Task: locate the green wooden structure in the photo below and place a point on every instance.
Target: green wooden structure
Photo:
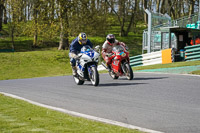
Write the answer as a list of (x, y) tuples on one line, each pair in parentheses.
[(161, 33), (192, 52)]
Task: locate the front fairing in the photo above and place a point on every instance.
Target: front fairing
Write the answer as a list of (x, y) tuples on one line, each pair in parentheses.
[(120, 52), (120, 55), (89, 57), (89, 54)]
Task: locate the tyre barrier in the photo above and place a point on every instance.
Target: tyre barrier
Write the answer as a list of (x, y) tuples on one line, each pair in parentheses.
[(192, 52), (160, 57), (7, 50)]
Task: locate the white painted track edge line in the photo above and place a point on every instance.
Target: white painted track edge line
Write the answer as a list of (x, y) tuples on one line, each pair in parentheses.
[(84, 115)]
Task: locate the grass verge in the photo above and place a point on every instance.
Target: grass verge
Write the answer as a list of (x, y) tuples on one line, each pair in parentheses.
[(196, 72), (171, 65), (20, 116), (18, 65)]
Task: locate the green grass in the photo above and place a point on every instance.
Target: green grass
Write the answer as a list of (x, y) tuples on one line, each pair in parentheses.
[(19, 116), (175, 64), (19, 65), (134, 42), (23, 44), (196, 72)]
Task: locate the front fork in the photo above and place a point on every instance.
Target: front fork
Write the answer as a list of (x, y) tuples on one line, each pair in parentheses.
[(123, 66), (90, 73)]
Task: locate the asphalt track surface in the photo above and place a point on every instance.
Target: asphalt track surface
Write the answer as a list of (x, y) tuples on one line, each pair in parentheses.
[(163, 102)]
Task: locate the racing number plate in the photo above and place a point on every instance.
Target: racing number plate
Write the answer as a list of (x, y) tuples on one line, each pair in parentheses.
[(116, 62), (124, 54)]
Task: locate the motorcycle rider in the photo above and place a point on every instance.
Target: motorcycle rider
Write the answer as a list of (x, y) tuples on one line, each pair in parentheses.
[(107, 48), (75, 48)]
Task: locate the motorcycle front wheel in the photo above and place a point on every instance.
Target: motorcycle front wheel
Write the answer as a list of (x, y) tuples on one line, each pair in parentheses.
[(112, 75), (94, 76), (78, 81), (128, 71)]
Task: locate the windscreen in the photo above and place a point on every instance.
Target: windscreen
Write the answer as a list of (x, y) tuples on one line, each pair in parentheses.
[(118, 48), (86, 48)]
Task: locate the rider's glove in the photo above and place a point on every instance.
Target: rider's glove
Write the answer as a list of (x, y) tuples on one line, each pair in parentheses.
[(77, 56), (126, 47)]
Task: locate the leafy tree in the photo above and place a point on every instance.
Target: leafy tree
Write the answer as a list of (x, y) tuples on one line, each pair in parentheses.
[(191, 8), (1, 12), (36, 5), (64, 7), (13, 10), (47, 20), (126, 13), (5, 13)]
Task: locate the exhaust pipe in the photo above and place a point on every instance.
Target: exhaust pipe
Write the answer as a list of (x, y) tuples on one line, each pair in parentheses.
[(104, 65)]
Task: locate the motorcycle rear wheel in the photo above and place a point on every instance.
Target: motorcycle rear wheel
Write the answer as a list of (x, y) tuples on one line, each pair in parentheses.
[(128, 71), (78, 81)]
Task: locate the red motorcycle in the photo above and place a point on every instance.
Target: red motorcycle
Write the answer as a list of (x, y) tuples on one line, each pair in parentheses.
[(120, 63)]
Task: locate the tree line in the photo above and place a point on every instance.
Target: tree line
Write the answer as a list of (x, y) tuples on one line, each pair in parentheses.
[(50, 19)]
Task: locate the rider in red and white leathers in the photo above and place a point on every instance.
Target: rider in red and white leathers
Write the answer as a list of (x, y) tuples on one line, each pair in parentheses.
[(107, 48)]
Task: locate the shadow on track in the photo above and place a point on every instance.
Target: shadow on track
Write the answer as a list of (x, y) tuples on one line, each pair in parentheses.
[(118, 84), (150, 78)]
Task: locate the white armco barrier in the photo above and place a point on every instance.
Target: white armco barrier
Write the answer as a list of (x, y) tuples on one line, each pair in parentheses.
[(152, 58), (160, 57), (152, 61), (152, 55)]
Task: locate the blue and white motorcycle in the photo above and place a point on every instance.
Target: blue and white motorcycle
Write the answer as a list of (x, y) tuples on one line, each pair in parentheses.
[(86, 63)]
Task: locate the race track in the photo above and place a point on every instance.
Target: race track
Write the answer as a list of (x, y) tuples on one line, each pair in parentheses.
[(163, 102)]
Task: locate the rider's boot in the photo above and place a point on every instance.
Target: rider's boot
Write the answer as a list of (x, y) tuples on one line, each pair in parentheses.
[(109, 68), (74, 70)]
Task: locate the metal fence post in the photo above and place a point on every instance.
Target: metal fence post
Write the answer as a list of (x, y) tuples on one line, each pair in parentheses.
[(149, 31)]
